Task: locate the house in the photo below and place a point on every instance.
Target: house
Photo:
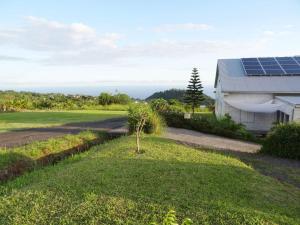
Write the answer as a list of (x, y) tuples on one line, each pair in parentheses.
[(258, 92)]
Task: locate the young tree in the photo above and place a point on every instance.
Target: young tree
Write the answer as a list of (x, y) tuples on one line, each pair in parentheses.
[(137, 117), (194, 93)]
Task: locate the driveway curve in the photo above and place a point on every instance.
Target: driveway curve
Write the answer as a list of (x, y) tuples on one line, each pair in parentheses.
[(209, 141)]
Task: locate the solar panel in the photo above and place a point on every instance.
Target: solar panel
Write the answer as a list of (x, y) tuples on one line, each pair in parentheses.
[(274, 72), (293, 71), (290, 66), (252, 67), (267, 59), (284, 58), (272, 66), (256, 72)]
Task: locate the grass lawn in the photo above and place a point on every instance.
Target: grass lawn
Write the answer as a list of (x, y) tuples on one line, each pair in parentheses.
[(110, 184), (17, 120)]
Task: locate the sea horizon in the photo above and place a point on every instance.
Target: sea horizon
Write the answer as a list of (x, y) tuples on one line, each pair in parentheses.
[(134, 91)]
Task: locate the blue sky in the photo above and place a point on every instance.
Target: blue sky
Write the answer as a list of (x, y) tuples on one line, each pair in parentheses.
[(94, 43)]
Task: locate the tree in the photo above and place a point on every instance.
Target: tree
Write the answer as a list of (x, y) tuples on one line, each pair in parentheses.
[(160, 105), (105, 99), (138, 115), (194, 93), (122, 99)]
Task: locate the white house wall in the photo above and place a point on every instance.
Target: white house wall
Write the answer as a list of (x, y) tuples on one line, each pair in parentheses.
[(219, 101), (252, 121), (297, 114)]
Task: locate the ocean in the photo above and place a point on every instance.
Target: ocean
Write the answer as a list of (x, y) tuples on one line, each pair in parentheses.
[(135, 91)]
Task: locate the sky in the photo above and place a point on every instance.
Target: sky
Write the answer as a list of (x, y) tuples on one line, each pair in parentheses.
[(94, 43)]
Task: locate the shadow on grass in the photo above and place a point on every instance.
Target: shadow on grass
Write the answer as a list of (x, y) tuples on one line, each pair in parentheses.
[(284, 170)]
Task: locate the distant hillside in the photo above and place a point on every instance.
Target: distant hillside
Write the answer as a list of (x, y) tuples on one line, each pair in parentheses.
[(176, 94)]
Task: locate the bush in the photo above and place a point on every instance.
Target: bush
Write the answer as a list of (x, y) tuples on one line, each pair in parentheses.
[(108, 99), (284, 141), (160, 105), (154, 122), (208, 123)]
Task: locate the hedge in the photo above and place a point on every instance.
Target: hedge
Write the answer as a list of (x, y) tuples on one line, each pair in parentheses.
[(284, 141)]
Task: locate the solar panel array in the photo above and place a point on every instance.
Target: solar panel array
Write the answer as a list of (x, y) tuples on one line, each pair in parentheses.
[(272, 66)]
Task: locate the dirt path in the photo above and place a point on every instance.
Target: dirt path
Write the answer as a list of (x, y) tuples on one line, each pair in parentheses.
[(209, 141), (21, 137)]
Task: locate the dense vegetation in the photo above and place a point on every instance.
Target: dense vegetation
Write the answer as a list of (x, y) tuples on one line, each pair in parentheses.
[(284, 141), (17, 101), (18, 120), (178, 94), (208, 123), (112, 185)]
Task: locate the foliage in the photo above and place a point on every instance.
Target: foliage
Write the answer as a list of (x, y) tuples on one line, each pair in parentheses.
[(108, 99), (194, 93), (208, 123), (17, 101), (284, 141), (171, 219), (177, 94), (111, 185), (138, 115), (155, 124), (17, 120), (160, 105)]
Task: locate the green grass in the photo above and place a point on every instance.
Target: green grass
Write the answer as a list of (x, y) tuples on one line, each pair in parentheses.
[(31, 152), (112, 185), (18, 120)]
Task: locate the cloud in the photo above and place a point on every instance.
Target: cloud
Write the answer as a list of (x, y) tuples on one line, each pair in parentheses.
[(40, 34), (11, 58), (269, 33), (162, 49), (183, 27)]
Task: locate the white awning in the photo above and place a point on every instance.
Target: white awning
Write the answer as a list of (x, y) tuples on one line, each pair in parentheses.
[(266, 107)]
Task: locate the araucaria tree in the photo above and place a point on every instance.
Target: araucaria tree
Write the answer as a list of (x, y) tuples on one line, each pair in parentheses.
[(194, 93)]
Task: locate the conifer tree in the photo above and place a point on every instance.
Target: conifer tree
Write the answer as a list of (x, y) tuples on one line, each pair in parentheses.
[(194, 93)]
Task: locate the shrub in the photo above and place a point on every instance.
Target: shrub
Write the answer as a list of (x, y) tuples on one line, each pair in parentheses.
[(155, 124), (160, 105), (208, 123), (108, 99), (283, 140)]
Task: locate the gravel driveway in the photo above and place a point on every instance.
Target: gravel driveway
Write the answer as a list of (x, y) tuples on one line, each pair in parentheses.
[(209, 141)]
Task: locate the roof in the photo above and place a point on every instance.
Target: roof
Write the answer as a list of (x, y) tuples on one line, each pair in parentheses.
[(294, 100), (234, 79)]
